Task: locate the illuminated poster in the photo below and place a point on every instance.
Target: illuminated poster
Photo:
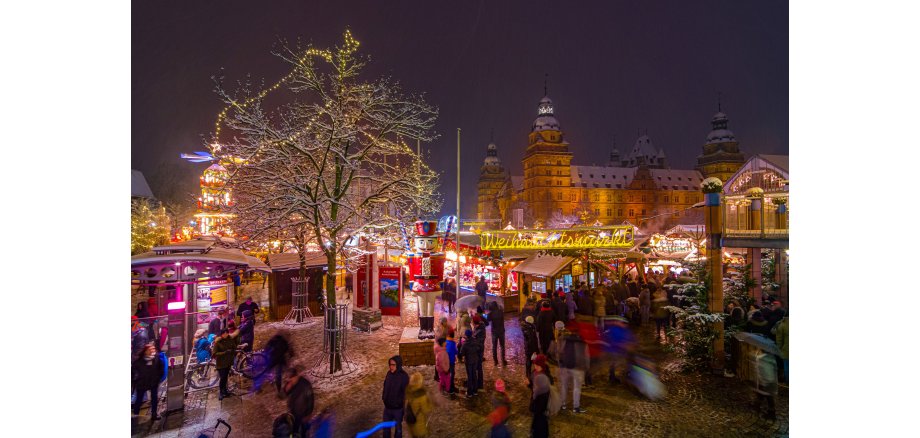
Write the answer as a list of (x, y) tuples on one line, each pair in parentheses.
[(390, 290), (512, 281)]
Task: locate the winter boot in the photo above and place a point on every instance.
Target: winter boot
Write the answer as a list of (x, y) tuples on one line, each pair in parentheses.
[(421, 327)]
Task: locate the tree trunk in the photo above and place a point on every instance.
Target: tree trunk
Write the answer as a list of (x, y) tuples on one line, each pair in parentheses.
[(335, 357)]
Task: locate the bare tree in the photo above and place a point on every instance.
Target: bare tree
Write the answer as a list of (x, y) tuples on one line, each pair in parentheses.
[(323, 160)]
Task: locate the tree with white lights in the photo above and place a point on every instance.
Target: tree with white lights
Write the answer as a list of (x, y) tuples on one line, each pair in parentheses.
[(323, 159)]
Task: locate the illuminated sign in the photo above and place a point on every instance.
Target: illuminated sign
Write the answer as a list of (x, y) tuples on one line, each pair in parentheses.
[(570, 238), (671, 245)]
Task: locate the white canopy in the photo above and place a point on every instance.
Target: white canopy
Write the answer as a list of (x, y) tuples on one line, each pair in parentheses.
[(545, 265)]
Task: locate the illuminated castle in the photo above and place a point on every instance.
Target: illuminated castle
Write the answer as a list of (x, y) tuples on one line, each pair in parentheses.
[(214, 200)]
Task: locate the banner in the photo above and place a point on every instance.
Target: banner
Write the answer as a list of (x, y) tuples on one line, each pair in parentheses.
[(390, 290)]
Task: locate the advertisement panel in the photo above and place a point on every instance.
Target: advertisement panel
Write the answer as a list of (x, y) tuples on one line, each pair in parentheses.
[(390, 290)]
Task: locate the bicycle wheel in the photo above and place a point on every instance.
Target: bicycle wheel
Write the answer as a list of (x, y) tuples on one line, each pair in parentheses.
[(203, 376), (253, 364)]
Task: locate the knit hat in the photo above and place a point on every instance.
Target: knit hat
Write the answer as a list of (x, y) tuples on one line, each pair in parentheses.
[(528, 319), (500, 385), (477, 319), (560, 325), (545, 305), (468, 333), (540, 360)]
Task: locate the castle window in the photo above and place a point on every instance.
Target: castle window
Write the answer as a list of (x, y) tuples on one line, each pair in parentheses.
[(596, 197), (558, 196), (558, 163), (619, 186), (608, 185), (669, 178), (665, 199), (678, 178), (595, 185), (643, 212), (643, 198), (585, 185), (558, 183), (631, 213), (608, 212), (597, 212), (620, 212), (685, 188), (549, 173), (604, 176), (592, 175)]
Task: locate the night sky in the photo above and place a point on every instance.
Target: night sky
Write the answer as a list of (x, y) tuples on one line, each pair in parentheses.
[(614, 67)]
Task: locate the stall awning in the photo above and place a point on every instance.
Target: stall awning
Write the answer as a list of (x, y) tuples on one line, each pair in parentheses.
[(288, 261), (545, 265)]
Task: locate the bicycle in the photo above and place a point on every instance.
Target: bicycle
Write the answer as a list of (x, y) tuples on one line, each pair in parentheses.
[(249, 363), (202, 375)]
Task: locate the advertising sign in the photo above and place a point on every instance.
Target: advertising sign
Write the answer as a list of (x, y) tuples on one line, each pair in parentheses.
[(390, 290), (570, 238)]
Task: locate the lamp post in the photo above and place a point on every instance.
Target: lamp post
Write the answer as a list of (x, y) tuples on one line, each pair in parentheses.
[(458, 213)]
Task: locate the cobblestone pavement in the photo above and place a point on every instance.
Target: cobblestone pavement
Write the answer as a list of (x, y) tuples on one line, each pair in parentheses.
[(696, 405)]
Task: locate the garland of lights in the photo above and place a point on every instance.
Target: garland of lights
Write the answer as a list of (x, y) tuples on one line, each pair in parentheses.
[(351, 46)]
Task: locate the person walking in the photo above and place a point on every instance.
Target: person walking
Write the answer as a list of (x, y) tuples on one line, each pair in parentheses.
[(621, 343), (479, 336), (450, 346), (645, 302), (300, 400), (394, 395), (224, 351), (573, 362), (471, 352), (146, 373), (531, 343), (278, 350), (545, 324), (449, 296), (559, 308), (418, 406), (539, 400), (496, 317), (442, 365), (765, 384), (501, 409)]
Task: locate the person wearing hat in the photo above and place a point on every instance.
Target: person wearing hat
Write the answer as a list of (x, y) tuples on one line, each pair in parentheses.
[(219, 323), (758, 325), (250, 305), (559, 310), (539, 400), (545, 324), (501, 409), (531, 344)]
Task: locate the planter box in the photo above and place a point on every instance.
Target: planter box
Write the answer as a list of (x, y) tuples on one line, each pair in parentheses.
[(415, 352), (366, 319)]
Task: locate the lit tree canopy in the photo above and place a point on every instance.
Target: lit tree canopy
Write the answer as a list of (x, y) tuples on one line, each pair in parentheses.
[(319, 156), (149, 226)]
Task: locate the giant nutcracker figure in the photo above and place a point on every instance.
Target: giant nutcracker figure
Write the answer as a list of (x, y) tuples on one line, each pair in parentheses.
[(427, 269)]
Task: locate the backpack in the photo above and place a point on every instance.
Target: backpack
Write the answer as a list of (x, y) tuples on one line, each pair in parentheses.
[(555, 401), (410, 416)]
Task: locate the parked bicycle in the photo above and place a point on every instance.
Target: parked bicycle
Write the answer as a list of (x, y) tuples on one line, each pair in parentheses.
[(249, 363)]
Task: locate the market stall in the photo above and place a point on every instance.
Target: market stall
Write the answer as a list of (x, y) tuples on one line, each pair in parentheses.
[(540, 274)]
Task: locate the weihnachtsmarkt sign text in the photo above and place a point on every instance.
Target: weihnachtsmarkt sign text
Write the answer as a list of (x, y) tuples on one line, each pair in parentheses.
[(570, 238)]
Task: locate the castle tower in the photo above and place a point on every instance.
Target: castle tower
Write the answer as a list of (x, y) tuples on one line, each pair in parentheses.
[(547, 164), (492, 178), (721, 156)]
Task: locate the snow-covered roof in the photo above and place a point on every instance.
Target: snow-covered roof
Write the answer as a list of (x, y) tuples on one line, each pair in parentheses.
[(288, 261), (766, 172), (139, 187), (545, 265), (677, 179), (545, 122), (780, 161), (603, 177), (720, 132)]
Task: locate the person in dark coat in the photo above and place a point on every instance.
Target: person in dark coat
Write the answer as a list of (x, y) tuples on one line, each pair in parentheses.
[(539, 400), (471, 351), (224, 351), (479, 336), (531, 344), (394, 395), (496, 318), (777, 313), (300, 400), (559, 307), (482, 288), (247, 305), (449, 296), (545, 325), (758, 324), (247, 330), (278, 352), (633, 289), (142, 311), (146, 373), (219, 323), (585, 304)]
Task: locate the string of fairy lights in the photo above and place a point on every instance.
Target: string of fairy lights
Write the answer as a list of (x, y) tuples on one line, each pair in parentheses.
[(351, 46)]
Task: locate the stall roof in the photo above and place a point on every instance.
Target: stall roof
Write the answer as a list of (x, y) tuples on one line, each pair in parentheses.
[(215, 254), (546, 265), (288, 261)]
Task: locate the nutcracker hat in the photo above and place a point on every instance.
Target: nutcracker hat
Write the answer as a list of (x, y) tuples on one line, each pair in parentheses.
[(426, 228)]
